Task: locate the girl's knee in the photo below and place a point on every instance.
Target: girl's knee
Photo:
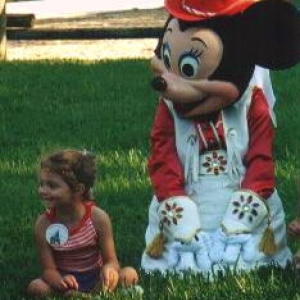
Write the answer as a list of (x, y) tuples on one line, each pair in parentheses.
[(38, 289), (128, 276)]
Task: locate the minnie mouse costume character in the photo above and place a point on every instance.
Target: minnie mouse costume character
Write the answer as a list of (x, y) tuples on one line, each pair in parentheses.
[(211, 163)]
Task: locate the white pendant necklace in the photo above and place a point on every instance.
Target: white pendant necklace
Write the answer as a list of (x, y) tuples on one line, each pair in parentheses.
[(57, 234)]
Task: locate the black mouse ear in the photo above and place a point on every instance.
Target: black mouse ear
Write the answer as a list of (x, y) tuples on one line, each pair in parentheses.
[(271, 30), (157, 50)]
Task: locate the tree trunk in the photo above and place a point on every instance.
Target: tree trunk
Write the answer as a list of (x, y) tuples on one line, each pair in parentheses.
[(2, 30)]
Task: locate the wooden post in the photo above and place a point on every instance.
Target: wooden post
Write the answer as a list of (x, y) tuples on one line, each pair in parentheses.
[(2, 30)]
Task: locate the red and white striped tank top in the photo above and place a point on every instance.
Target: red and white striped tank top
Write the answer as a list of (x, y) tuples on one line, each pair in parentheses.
[(81, 252)]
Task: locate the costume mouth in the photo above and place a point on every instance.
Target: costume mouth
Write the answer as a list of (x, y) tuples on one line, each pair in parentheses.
[(185, 108)]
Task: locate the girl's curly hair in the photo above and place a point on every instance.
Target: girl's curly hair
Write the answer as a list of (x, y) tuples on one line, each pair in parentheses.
[(74, 166)]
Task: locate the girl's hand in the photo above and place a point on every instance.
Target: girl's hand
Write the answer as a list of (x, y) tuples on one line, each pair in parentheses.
[(68, 282), (110, 278)]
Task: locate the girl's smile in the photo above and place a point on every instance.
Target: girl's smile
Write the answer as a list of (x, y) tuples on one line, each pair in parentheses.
[(54, 190)]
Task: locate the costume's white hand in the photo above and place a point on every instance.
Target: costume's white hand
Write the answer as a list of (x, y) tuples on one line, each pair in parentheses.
[(179, 218), (245, 212)]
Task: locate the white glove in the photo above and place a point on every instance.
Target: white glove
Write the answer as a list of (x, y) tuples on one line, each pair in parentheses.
[(244, 214), (245, 211), (180, 219), (185, 256)]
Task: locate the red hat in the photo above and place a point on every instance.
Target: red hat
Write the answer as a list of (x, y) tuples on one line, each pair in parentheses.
[(198, 10)]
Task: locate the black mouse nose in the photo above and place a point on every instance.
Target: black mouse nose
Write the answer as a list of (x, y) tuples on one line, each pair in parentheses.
[(159, 84)]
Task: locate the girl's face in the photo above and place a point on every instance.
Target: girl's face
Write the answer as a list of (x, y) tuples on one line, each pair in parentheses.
[(54, 191)]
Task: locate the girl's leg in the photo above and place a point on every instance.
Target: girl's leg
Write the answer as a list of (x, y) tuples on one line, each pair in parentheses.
[(99, 284), (127, 277), (39, 289)]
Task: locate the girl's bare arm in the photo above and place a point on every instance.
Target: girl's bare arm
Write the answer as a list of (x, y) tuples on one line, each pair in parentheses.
[(103, 227), (50, 273), (110, 269)]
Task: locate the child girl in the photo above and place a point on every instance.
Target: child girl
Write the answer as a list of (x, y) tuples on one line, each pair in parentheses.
[(294, 231), (294, 228), (74, 237)]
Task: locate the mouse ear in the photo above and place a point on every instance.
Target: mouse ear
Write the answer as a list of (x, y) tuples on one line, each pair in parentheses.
[(271, 30)]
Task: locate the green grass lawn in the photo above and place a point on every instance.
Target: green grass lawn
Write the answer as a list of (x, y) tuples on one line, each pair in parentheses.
[(108, 108)]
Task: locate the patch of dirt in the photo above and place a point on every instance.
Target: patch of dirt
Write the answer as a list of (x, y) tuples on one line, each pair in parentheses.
[(95, 49), (87, 50)]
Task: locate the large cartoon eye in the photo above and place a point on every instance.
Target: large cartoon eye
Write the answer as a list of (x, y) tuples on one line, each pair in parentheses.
[(166, 55), (189, 64)]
